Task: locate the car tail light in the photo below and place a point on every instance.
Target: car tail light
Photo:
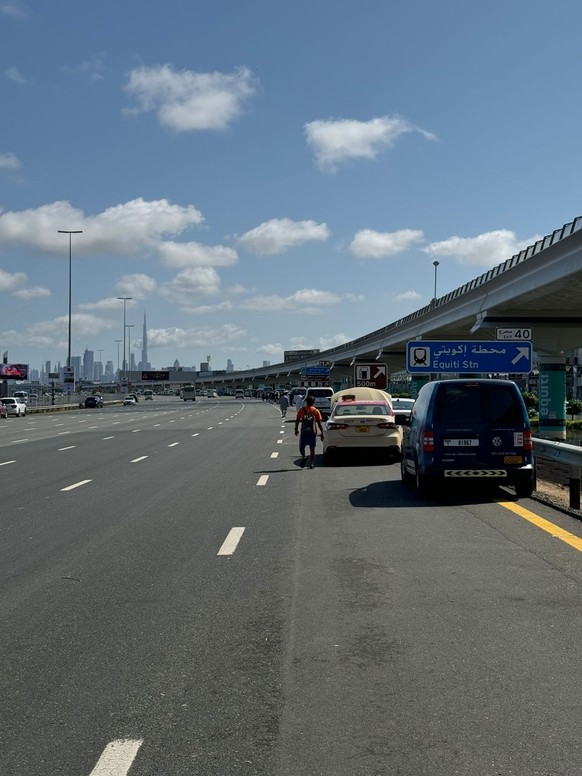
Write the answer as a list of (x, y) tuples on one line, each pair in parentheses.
[(337, 426), (387, 425), (428, 442), (527, 440)]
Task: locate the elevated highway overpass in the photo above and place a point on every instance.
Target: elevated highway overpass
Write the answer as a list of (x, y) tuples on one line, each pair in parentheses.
[(539, 288)]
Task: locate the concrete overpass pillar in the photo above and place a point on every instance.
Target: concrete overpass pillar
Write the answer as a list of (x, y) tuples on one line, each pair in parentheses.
[(552, 397)]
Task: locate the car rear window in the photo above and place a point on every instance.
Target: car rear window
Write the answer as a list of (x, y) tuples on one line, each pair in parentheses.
[(475, 404), (363, 409), (320, 392)]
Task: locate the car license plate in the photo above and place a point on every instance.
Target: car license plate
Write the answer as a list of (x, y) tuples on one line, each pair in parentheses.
[(512, 459), (461, 442), (362, 428)]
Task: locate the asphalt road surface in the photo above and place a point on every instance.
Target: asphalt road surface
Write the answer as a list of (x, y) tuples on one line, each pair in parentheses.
[(179, 598)]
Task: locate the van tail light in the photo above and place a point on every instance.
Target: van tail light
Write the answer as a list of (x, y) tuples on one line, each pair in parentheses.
[(428, 442), (337, 426), (527, 440), (387, 425)]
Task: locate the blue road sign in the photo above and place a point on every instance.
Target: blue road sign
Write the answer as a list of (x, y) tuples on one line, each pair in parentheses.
[(478, 356), (316, 370)]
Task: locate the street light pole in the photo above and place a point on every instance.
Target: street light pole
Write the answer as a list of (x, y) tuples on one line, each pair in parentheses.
[(435, 265), (118, 372), (69, 232), (100, 364), (125, 300)]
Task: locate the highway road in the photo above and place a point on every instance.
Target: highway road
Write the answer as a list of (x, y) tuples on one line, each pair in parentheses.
[(179, 598)]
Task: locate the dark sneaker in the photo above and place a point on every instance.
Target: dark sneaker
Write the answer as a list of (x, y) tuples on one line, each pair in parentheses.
[(302, 462)]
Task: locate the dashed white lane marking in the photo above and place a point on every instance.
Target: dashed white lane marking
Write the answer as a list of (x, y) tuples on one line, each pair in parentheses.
[(137, 460), (210, 428), (104, 438), (157, 424), (196, 434), (17, 441), (76, 485), (117, 758), (263, 479), (62, 433), (282, 432), (174, 444), (279, 441), (135, 430), (90, 427), (59, 424), (231, 542), (70, 447), (5, 463), (81, 421), (220, 422), (274, 455)]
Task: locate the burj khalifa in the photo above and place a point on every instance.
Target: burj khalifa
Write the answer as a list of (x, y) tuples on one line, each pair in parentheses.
[(144, 363)]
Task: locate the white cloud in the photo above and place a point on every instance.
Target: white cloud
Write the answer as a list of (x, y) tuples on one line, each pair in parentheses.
[(54, 334), (109, 303), (323, 343), (137, 286), (13, 74), (36, 292), (307, 300), (278, 234), (274, 349), (92, 69), (191, 283), (335, 141), (407, 296), (195, 337), (9, 161), (207, 309), (11, 280), (193, 254), (485, 250), (126, 229), (15, 9), (368, 244), (186, 101)]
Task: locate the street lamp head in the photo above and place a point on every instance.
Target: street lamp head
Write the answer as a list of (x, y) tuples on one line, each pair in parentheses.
[(70, 231), (435, 263)]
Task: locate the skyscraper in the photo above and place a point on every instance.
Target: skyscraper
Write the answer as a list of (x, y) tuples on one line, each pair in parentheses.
[(144, 363)]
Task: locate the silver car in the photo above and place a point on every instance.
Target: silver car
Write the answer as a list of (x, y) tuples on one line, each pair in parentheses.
[(14, 406)]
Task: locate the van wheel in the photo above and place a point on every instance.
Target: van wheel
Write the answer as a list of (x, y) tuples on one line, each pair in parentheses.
[(524, 489), (404, 475), (420, 482)]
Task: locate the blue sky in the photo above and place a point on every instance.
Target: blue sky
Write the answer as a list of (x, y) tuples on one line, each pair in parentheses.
[(263, 176)]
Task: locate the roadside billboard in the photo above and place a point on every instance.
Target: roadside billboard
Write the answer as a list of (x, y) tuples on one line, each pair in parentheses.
[(13, 371)]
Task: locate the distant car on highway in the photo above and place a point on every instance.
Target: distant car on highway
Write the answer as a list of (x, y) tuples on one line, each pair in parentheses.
[(129, 400), (14, 406), (402, 409), (93, 401)]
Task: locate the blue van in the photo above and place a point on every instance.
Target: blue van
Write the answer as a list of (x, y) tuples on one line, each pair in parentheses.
[(468, 430)]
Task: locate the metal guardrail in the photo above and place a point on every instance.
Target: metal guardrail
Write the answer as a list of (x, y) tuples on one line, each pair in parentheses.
[(570, 455)]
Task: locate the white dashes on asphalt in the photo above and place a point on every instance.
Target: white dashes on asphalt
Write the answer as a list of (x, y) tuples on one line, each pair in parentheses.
[(5, 463), (231, 542), (117, 758), (70, 447), (137, 460), (76, 485), (263, 479), (274, 455)]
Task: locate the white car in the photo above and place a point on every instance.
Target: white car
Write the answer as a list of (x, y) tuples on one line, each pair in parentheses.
[(363, 425), (14, 406), (402, 409), (129, 401)]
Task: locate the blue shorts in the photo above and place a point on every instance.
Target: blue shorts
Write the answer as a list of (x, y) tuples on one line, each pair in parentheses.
[(307, 439)]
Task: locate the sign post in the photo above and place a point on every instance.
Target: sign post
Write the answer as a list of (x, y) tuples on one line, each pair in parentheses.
[(371, 375), (468, 356)]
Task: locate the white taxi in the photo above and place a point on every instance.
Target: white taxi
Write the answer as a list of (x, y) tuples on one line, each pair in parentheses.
[(362, 425)]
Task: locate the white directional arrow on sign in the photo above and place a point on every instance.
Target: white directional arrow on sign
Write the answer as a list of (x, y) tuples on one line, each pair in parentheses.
[(521, 353), (381, 370)]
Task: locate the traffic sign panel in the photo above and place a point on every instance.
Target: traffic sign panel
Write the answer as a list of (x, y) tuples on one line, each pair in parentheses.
[(372, 375), (478, 356)]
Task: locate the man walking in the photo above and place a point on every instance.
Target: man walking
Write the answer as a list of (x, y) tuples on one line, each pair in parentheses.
[(309, 417), (284, 404)]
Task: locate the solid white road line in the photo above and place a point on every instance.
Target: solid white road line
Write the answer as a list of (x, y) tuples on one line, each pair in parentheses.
[(231, 542), (5, 463), (76, 485), (263, 479), (137, 460), (70, 447), (274, 455), (117, 758)]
